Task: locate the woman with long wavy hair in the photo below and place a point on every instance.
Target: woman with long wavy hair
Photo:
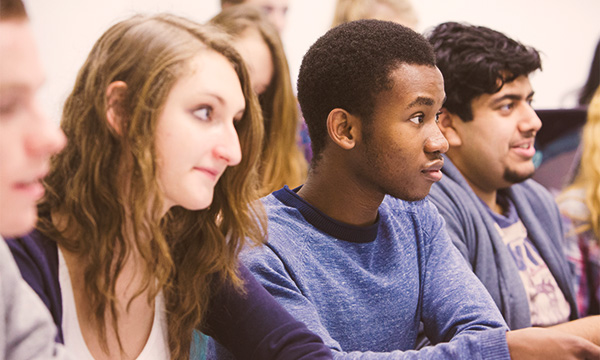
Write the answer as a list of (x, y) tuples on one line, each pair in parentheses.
[(580, 204), (150, 202), (282, 162)]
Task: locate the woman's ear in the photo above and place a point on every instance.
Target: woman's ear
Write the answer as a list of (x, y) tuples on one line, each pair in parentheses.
[(341, 128), (448, 126), (116, 94)]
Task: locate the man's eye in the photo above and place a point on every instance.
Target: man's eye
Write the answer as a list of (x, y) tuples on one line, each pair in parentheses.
[(9, 106), (417, 119)]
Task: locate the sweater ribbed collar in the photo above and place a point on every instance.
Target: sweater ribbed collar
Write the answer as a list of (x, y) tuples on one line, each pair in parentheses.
[(337, 229)]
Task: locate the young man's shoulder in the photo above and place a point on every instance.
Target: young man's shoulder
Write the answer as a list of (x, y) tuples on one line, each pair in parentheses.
[(535, 195), (34, 252)]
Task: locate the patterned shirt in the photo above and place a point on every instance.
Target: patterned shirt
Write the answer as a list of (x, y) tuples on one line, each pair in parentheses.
[(547, 303)]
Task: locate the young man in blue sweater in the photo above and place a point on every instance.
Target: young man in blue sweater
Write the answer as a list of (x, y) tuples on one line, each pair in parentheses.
[(356, 253), (506, 226)]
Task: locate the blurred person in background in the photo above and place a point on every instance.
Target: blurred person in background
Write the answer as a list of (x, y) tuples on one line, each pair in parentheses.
[(282, 161), (400, 11), (275, 10), (579, 204)]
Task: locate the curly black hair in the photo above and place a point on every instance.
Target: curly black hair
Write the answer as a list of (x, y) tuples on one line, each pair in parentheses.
[(349, 66), (477, 60)]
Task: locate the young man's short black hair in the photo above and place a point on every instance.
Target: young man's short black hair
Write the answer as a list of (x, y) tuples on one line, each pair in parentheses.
[(476, 60), (349, 66)]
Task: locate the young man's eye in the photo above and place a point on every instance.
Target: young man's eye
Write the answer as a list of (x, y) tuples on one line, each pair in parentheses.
[(268, 9), (437, 117), (204, 113), (9, 107), (417, 119), (506, 107)]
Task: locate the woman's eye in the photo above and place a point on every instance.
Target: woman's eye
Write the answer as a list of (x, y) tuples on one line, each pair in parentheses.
[(437, 117), (204, 113), (417, 119)]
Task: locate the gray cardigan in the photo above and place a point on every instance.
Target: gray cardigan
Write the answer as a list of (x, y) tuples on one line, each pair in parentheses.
[(472, 230)]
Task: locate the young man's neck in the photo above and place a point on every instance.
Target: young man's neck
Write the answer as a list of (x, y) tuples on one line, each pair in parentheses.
[(490, 198), (338, 195)]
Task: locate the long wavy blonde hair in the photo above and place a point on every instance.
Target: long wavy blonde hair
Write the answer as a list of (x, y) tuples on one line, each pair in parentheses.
[(350, 10), (588, 177), (186, 254), (283, 162)]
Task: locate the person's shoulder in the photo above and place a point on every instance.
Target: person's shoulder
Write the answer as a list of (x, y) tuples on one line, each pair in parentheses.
[(37, 259), (33, 245), (572, 203), (279, 200), (533, 192), (418, 207), (422, 214)]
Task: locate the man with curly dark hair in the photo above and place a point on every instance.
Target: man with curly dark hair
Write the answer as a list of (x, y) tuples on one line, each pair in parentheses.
[(506, 226), (356, 252)]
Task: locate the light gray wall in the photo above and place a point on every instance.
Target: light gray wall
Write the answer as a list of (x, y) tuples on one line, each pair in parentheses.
[(565, 32)]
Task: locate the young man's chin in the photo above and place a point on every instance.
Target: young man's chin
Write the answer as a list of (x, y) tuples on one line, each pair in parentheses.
[(17, 224), (515, 177)]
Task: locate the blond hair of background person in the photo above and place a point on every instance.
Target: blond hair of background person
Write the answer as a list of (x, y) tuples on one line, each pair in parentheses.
[(580, 204), (282, 162), (275, 10), (400, 11)]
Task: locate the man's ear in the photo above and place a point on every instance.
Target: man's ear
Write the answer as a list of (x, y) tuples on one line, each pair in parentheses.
[(448, 123), (341, 127), (116, 94)]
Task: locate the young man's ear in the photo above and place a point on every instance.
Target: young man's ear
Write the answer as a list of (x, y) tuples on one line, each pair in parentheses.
[(116, 94), (448, 123), (342, 128)]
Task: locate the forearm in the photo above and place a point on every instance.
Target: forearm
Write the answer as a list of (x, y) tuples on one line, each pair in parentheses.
[(587, 328), (255, 326), (487, 344), (549, 344)]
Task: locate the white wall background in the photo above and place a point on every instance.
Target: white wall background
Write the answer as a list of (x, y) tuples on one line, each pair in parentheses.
[(565, 32)]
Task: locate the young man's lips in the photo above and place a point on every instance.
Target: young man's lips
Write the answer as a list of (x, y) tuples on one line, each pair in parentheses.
[(434, 171), (525, 150), (432, 175), (33, 189)]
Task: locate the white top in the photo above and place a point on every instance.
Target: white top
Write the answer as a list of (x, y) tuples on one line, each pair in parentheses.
[(156, 347)]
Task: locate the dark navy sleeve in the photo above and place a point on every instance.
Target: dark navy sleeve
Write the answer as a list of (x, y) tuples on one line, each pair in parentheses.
[(37, 259), (255, 326)]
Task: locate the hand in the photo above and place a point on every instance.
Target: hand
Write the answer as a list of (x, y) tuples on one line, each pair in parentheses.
[(548, 344)]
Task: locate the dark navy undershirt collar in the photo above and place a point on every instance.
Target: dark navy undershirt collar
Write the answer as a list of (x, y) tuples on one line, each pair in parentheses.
[(337, 229)]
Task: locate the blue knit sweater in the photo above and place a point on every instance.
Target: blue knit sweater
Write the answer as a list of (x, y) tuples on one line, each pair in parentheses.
[(364, 290), (472, 230)]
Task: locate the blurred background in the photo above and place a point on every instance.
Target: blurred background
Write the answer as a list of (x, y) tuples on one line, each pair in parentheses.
[(566, 33)]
